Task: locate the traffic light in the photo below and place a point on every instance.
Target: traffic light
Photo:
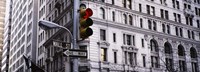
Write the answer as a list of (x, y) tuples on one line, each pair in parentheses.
[(84, 30)]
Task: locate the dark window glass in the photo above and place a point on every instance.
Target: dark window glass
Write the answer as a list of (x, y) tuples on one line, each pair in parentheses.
[(140, 7), (115, 57), (128, 37), (168, 29), (144, 61), (102, 34), (148, 9), (142, 42), (154, 26), (193, 53), (149, 24), (163, 28), (181, 51), (114, 37), (130, 20), (141, 23), (168, 49)]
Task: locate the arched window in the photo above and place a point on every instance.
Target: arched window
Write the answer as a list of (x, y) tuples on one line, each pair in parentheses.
[(181, 51), (102, 13), (130, 20), (194, 63), (153, 45), (124, 18), (168, 49), (193, 53)]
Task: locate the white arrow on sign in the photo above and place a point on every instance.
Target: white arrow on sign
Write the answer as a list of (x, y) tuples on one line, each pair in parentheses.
[(75, 53), (67, 53)]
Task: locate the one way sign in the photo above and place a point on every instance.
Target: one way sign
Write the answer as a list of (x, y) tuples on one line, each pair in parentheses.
[(76, 53)]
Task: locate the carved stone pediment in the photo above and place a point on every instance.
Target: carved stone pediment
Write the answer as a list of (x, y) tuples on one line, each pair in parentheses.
[(104, 44), (129, 48)]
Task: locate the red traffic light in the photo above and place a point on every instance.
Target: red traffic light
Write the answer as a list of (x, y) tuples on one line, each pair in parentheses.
[(84, 30), (86, 13)]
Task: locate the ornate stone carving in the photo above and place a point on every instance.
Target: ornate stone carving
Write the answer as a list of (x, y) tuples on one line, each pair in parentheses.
[(104, 44), (129, 48)]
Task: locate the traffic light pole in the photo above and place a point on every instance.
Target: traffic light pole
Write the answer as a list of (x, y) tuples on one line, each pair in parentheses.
[(75, 32)]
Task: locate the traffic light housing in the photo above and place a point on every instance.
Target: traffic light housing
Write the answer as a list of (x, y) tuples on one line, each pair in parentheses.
[(84, 30)]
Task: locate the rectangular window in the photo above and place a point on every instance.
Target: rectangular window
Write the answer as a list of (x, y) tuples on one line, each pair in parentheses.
[(144, 61), (129, 4), (168, 29), (133, 40), (141, 23), (176, 31), (198, 24), (196, 10), (166, 14), (149, 24), (182, 66), (124, 38), (153, 10), (154, 62), (177, 4), (113, 2), (142, 40), (173, 2), (154, 26), (169, 63), (148, 9), (130, 56), (175, 19), (103, 54), (124, 3), (179, 18), (128, 39), (114, 37), (161, 13), (102, 34), (194, 67), (199, 36), (140, 7), (115, 57), (125, 57), (113, 16)]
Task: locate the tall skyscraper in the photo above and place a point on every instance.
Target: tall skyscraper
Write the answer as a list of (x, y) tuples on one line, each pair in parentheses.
[(2, 21), (22, 30)]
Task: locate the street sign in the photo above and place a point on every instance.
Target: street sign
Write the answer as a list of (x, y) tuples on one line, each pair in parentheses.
[(76, 53)]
